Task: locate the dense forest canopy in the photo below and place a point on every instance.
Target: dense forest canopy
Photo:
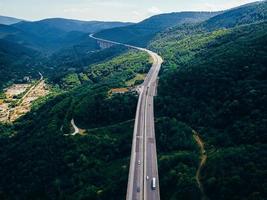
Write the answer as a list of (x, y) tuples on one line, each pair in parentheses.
[(212, 83)]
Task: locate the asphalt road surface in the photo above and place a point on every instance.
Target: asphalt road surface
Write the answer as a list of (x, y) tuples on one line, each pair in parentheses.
[(143, 166)]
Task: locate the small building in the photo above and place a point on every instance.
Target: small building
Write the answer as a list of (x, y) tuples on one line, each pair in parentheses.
[(118, 90)]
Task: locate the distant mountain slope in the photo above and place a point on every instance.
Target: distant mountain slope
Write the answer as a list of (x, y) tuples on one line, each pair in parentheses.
[(20, 37), (49, 41), (246, 14), (46, 41), (7, 30), (144, 31), (67, 25), (17, 61), (8, 20), (60, 49), (50, 35)]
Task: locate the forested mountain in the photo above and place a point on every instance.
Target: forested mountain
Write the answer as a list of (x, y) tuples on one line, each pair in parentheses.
[(246, 14), (58, 42), (7, 30), (8, 20), (17, 61), (212, 83), (20, 37), (50, 35), (216, 85), (66, 25), (65, 43), (45, 43), (23, 53), (140, 34)]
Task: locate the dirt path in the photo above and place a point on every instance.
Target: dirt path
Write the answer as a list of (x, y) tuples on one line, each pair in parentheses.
[(40, 82), (203, 159)]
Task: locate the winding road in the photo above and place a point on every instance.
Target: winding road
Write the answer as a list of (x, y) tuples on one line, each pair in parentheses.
[(76, 129), (143, 165)]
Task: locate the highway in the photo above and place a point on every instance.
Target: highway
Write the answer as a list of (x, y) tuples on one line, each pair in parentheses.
[(143, 164)]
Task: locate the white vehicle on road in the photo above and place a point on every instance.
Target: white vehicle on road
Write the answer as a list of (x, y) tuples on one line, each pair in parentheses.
[(153, 183)]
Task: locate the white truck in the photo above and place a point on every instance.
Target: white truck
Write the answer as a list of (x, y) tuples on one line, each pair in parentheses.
[(153, 183)]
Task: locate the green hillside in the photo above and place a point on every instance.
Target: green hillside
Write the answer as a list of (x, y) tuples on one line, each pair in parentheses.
[(45, 39), (215, 82), (245, 14), (140, 34), (50, 35), (101, 168), (54, 46), (16, 62)]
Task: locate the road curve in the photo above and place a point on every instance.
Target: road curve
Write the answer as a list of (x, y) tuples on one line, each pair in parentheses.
[(143, 165), (76, 129)]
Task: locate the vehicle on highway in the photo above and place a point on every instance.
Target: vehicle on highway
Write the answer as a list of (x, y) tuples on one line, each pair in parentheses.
[(139, 162), (138, 189), (153, 183), (147, 177)]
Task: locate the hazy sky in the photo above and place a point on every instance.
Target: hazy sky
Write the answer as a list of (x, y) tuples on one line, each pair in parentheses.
[(107, 10)]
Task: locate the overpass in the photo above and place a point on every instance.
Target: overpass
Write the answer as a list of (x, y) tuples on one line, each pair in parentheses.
[(104, 44)]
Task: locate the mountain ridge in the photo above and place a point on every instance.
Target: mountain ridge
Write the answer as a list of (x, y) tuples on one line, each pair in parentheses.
[(9, 20), (140, 34), (50, 35), (213, 82), (68, 25)]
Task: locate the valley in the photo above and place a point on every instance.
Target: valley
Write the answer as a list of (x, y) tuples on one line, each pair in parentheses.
[(171, 107)]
